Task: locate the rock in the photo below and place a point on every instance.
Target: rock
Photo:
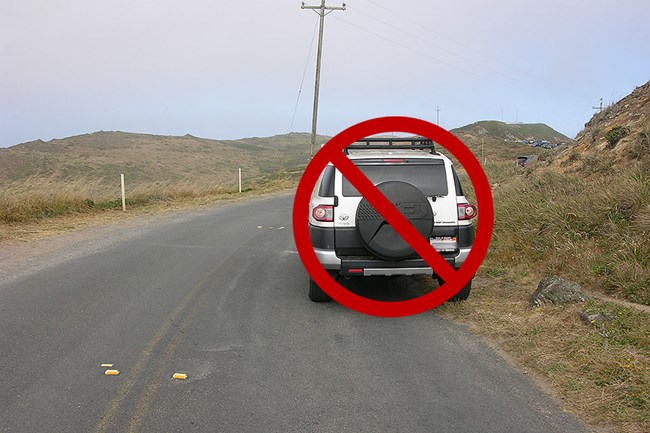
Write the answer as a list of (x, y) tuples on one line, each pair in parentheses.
[(596, 318), (557, 291)]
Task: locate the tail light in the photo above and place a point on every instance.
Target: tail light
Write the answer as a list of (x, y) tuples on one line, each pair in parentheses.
[(466, 211), (323, 213)]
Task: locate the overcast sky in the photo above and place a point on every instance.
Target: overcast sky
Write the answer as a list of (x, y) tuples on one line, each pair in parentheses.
[(233, 69)]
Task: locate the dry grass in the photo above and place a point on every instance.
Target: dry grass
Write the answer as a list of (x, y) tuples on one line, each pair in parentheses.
[(600, 371), (591, 228), (590, 225), (45, 207)]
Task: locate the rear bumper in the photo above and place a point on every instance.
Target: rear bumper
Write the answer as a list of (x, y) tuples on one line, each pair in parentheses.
[(350, 266), (328, 259), (356, 256)]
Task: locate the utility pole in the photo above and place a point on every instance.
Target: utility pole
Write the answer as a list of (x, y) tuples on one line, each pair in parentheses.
[(438, 110), (482, 153), (599, 108), (321, 10)]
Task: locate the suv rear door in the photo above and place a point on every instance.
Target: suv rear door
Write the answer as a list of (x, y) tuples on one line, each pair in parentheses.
[(431, 176)]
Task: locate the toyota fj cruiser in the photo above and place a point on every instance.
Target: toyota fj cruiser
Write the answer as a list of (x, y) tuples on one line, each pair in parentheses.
[(352, 239)]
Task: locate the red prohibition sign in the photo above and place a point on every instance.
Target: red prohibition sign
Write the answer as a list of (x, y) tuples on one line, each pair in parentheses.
[(454, 279)]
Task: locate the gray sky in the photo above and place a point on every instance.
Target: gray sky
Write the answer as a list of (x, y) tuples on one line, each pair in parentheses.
[(233, 69)]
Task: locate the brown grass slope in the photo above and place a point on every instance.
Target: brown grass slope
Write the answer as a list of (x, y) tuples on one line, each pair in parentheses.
[(81, 174), (581, 212), (150, 158), (599, 190), (620, 133)]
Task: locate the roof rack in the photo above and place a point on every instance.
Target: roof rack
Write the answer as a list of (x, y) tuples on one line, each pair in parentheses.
[(420, 143)]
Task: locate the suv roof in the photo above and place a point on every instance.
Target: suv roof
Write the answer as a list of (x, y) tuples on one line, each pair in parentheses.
[(401, 143), (394, 153), (395, 147)]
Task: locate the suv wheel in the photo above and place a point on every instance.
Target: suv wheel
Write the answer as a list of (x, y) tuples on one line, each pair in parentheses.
[(462, 295), (316, 294)]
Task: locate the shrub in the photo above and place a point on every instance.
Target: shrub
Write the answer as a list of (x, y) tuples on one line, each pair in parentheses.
[(615, 134)]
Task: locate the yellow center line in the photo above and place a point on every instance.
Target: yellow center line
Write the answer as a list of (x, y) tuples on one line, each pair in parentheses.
[(147, 397), (134, 373)]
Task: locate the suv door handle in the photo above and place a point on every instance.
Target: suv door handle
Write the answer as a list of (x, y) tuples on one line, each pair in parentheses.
[(336, 200)]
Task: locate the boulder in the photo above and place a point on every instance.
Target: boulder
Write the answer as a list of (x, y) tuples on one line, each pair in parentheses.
[(597, 318), (557, 291)]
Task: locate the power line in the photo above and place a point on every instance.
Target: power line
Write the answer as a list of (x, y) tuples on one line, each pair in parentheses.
[(565, 89), (442, 35), (531, 90), (399, 44), (304, 73), (450, 52)]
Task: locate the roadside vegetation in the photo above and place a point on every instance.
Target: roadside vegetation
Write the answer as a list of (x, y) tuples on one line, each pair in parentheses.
[(42, 207), (600, 371), (589, 222)]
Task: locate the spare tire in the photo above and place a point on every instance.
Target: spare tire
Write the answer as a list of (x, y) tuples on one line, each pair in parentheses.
[(378, 236)]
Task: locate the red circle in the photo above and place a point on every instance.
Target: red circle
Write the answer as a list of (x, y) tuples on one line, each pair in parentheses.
[(332, 151)]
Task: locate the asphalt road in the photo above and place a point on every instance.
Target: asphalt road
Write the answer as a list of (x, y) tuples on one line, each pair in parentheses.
[(210, 294)]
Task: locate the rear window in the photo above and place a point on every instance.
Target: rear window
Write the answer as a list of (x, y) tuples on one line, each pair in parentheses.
[(459, 188), (327, 182), (428, 178)]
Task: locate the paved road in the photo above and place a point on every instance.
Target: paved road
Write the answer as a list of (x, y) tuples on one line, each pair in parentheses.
[(211, 294)]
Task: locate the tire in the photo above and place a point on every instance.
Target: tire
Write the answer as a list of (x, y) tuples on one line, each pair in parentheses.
[(316, 294), (462, 295)]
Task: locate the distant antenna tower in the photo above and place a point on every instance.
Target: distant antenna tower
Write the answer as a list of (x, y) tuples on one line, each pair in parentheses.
[(438, 110), (600, 107)]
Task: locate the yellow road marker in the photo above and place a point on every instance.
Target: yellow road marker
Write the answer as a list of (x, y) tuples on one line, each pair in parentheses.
[(180, 376), (112, 372), (107, 365)]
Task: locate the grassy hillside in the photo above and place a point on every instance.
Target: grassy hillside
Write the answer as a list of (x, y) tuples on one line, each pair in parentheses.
[(603, 181), (81, 174), (505, 131), (583, 213), (102, 156)]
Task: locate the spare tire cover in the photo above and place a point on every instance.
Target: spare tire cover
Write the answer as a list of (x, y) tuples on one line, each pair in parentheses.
[(378, 236)]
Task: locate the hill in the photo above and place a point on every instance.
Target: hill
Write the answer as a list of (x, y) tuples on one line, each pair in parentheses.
[(591, 203), (618, 134), (492, 129), (101, 156), (581, 212)]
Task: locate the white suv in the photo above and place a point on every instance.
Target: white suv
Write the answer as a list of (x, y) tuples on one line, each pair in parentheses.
[(351, 239)]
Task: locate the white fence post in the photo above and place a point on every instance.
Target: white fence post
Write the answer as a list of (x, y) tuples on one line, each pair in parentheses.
[(240, 180), (123, 196)]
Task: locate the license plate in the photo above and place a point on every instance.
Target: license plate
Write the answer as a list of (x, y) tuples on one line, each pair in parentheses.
[(444, 244)]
